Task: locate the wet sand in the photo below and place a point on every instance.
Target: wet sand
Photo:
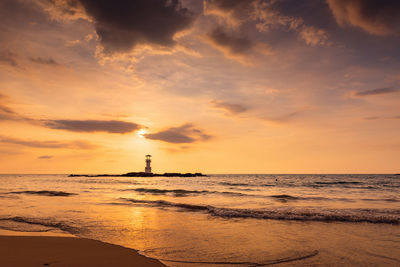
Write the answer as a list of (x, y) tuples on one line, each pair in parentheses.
[(37, 251)]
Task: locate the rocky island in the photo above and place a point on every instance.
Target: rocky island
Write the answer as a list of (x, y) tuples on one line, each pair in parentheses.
[(147, 173), (141, 174)]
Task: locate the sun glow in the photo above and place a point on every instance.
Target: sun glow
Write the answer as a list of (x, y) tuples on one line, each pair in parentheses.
[(141, 133)]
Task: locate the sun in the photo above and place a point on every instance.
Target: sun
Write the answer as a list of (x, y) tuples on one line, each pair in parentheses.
[(141, 133)]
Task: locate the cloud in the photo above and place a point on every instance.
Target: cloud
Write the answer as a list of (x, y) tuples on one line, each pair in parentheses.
[(109, 126), (121, 24), (6, 113), (47, 144), (231, 108), (283, 118), (9, 58), (44, 61), (377, 91), (266, 17), (230, 6), (186, 133), (45, 157), (313, 36), (383, 118), (233, 11), (373, 16), (234, 44)]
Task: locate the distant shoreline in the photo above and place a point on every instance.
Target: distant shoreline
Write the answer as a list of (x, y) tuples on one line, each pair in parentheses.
[(141, 174)]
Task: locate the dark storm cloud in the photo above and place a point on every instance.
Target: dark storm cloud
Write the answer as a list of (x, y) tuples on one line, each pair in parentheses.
[(122, 24), (186, 133), (44, 61), (377, 91), (9, 58), (374, 16), (232, 108), (47, 144), (235, 44), (111, 126)]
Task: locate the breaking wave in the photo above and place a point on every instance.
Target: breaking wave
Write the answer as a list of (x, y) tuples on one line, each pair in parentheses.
[(389, 216), (42, 222)]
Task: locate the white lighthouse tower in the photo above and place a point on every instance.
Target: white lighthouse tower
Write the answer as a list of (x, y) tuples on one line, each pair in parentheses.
[(148, 167)]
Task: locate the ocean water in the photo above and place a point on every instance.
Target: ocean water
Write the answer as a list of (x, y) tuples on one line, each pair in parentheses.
[(223, 220)]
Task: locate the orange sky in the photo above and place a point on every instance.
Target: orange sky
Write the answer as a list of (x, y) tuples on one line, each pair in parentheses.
[(216, 86)]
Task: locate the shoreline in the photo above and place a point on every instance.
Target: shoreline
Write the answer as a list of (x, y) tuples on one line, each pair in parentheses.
[(20, 249)]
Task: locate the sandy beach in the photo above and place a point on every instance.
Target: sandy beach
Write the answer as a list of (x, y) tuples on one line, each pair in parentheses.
[(35, 251)]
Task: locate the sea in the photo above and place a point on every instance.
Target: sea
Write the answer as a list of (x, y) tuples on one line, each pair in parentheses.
[(217, 220)]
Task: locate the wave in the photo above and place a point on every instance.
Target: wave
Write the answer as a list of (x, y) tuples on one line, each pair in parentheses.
[(176, 192), (44, 222), (286, 213), (286, 197), (381, 199), (265, 263), (103, 181), (183, 192), (4, 195), (338, 182), (164, 203), (45, 193), (234, 184), (244, 184)]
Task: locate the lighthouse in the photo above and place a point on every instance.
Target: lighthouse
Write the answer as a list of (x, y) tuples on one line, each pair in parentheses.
[(148, 167)]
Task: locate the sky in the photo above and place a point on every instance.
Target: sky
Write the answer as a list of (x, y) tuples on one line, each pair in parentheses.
[(215, 86)]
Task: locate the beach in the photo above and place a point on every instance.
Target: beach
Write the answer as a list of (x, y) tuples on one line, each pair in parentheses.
[(36, 251)]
